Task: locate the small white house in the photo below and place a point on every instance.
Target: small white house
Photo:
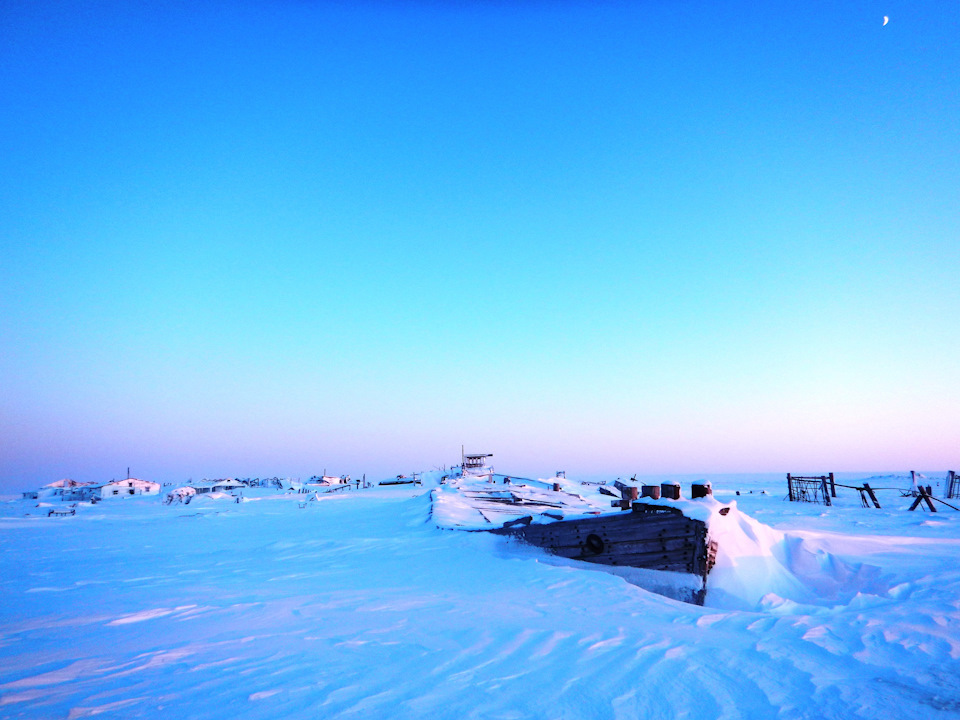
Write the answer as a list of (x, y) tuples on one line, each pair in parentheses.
[(127, 488)]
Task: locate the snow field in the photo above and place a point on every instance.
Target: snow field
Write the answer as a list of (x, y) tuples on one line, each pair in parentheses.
[(358, 606)]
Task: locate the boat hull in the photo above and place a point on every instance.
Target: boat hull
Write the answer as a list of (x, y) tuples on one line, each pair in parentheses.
[(653, 537)]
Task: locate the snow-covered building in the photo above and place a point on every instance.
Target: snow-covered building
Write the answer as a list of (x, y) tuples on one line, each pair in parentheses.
[(227, 485), (65, 489), (210, 486), (127, 488), (329, 480)]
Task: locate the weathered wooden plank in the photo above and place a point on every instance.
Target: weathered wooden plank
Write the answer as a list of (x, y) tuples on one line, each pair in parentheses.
[(598, 544), (615, 545), (667, 565), (637, 532), (677, 549), (686, 557), (650, 509), (651, 560), (639, 529)]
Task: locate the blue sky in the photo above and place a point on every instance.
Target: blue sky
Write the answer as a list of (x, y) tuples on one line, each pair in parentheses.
[(273, 238)]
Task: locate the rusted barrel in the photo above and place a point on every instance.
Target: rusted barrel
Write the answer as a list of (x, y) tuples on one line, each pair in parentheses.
[(700, 490), (671, 491), (556, 487), (650, 491), (632, 493)]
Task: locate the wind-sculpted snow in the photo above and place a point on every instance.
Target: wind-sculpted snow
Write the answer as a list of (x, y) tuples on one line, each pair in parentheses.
[(358, 606), (759, 567)]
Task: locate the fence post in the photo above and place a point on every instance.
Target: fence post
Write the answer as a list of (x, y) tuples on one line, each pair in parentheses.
[(826, 494), (790, 487), (833, 487), (923, 497)]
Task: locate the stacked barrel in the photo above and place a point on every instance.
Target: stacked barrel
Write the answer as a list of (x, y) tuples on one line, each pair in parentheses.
[(667, 491)]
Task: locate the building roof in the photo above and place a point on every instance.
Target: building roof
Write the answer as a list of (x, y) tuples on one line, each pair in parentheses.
[(131, 482), (67, 483)]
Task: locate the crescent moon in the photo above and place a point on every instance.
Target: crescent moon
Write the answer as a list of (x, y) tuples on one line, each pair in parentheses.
[(885, 19)]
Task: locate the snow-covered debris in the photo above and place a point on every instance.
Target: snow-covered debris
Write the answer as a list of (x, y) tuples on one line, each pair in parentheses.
[(180, 495)]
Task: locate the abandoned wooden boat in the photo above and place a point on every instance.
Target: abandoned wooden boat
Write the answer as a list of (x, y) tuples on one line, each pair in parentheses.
[(653, 537), (577, 523)]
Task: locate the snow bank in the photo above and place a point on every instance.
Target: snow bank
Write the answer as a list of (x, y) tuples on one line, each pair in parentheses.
[(759, 567)]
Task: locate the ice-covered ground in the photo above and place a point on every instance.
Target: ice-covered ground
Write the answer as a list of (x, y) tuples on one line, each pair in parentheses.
[(358, 606)]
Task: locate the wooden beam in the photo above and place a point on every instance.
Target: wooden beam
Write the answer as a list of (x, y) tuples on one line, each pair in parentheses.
[(923, 497), (866, 486)]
